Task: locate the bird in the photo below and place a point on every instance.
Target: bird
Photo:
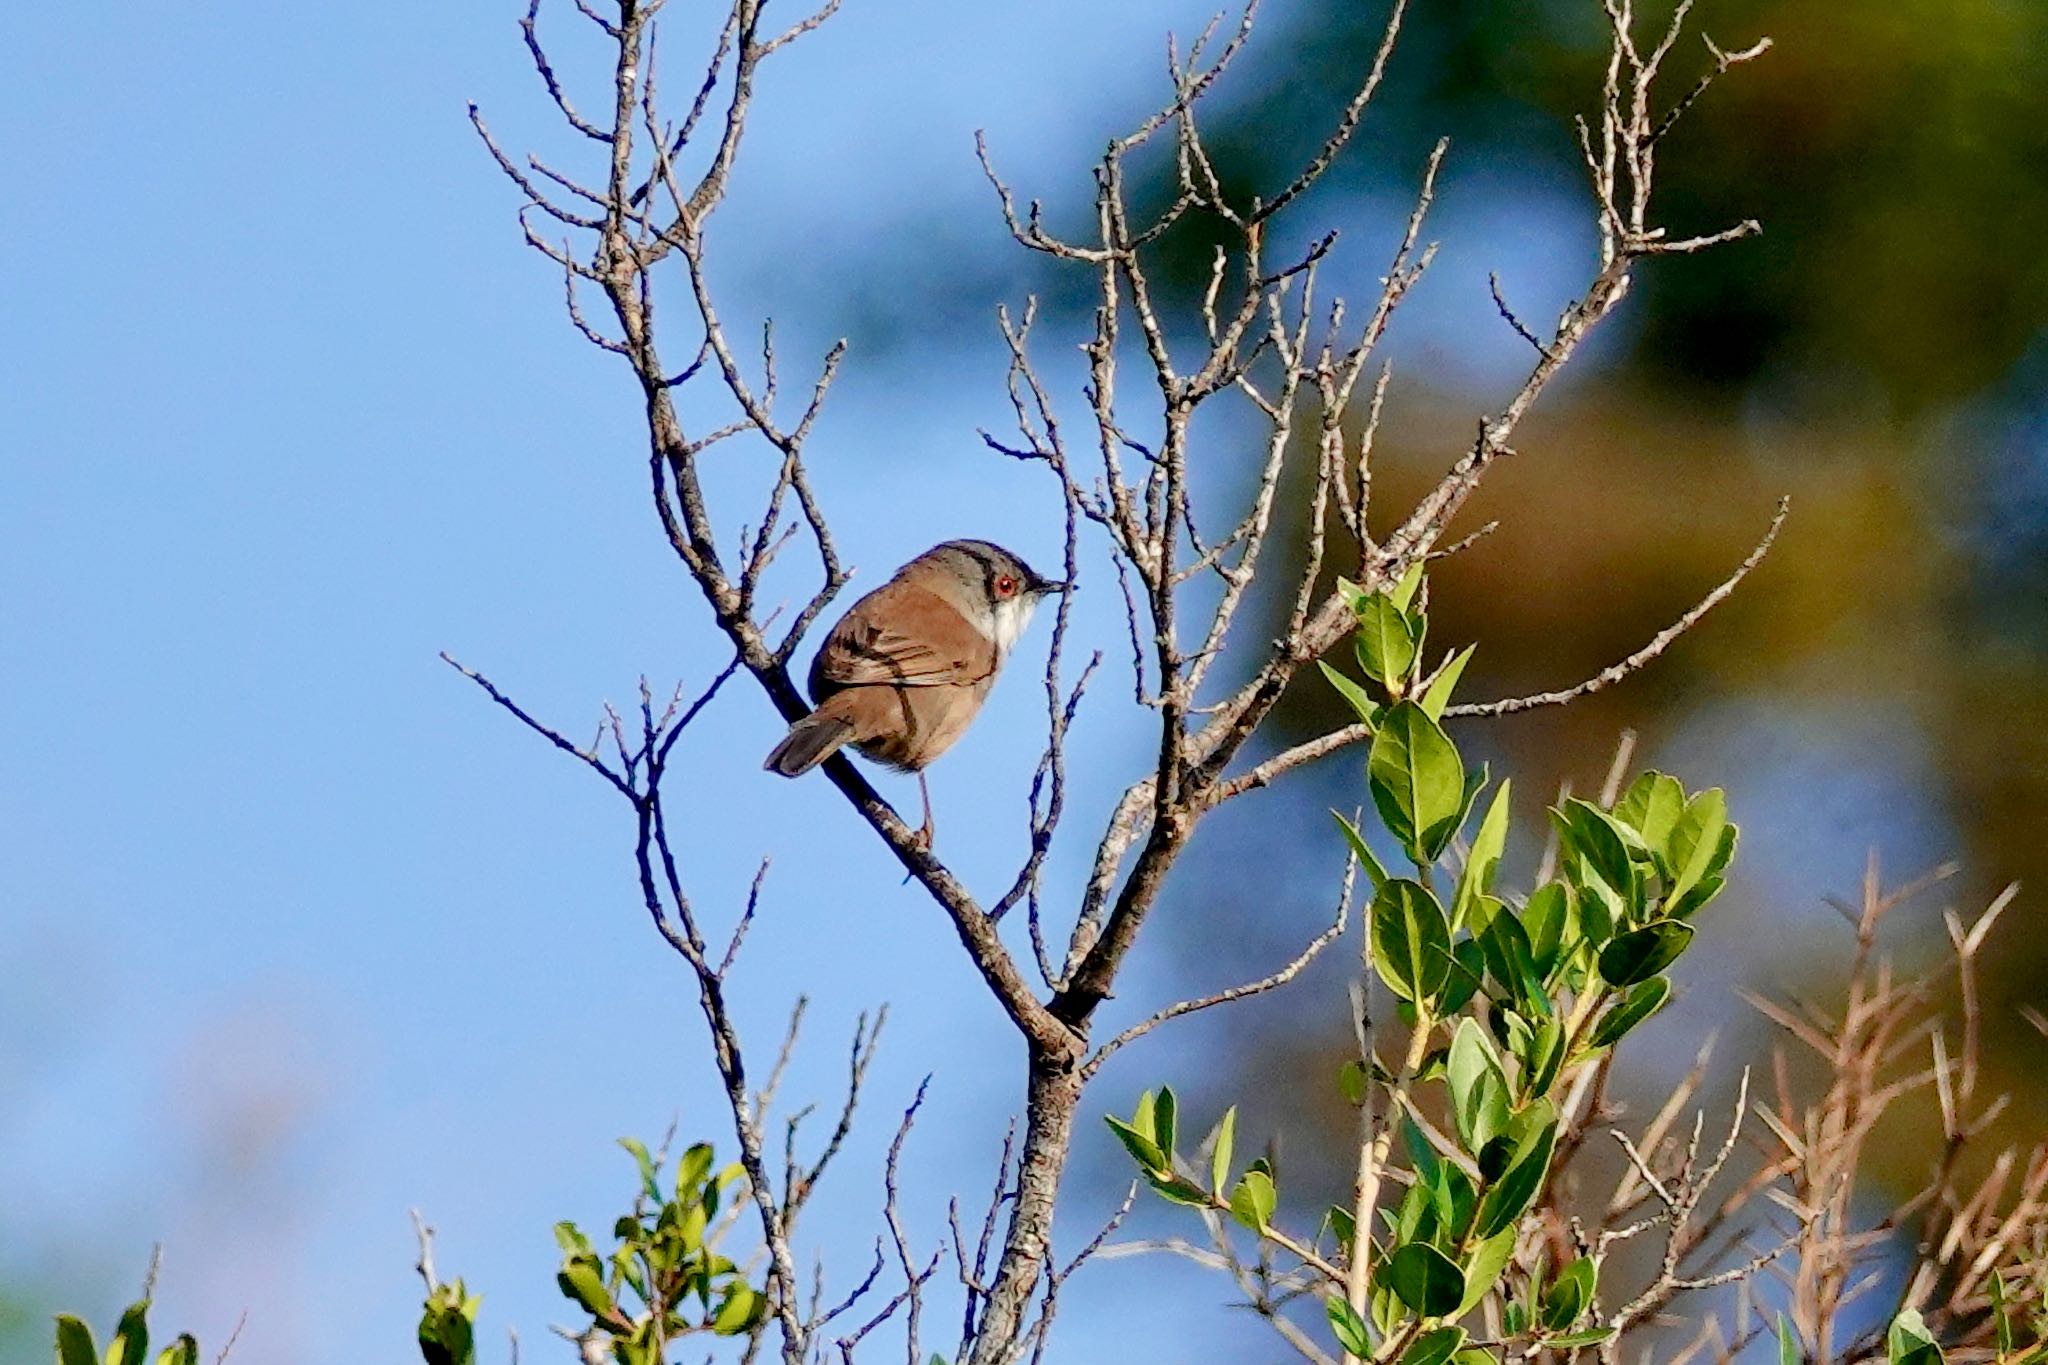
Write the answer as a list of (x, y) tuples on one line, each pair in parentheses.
[(903, 673)]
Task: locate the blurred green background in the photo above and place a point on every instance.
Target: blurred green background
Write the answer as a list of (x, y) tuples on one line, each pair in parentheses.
[(1879, 354)]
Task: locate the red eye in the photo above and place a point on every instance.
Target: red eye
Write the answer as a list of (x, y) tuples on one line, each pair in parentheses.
[(1006, 586)]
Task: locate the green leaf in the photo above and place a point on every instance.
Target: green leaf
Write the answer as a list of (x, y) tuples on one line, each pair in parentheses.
[(1607, 845), (1639, 1004), (131, 1338), (1164, 1107), (1417, 782), (1476, 1355), (1641, 953), (1489, 1259), (739, 1310), (1438, 694), (1425, 1279), (1373, 868), (693, 1168), (1569, 1295), (1651, 807), (1357, 698), (1142, 1148), (1254, 1199), (1510, 958), (1533, 1135), (1404, 591), (447, 1332), (1221, 1147), (1479, 1088), (581, 1279), (1544, 1057), (646, 1165), (1351, 1081), (1476, 877), (2000, 1312), (1467, 975), (1343, 1225), (1909, 1342), (1353, 595), (1422, 1155), (1690, 900), (1434, 1347), (1543, 919), (1572, 1341), (183, 1351), (1386, 642), (1789, 1352), (1349, 1327), (1141, 1118), (1601, 910), (1695, 846), (571, 1240), (74, 1342), (1177, 1189), (1411, 940)]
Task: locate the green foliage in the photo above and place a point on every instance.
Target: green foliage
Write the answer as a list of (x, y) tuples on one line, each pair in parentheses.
[(129, 1345), (660, 1280), (447, 1332), (1507, 996), (1909, 1342)]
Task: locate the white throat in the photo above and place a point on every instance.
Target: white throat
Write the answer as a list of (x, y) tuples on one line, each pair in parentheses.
[(1009, 619)]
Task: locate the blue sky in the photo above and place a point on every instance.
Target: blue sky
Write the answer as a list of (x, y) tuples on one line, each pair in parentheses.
[(299, 932)]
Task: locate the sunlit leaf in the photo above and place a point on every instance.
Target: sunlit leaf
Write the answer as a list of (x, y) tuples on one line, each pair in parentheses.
[(1651, 807), (1479, 1092), (183, 1351), (1789, 1352), (1374, 870), (1543, 919), (1222, 1146), (1385, 643), (1489, 1259), (1569, 1295), (1411, 940), (1909, 1342), (740, 1310), (1438, 694), (1349, 1327), (1476, 878), (1142, 1148), (130, 1345), (1695, 845), (1434, 1347), (74, 1342), (1254, 1199), (1357, 698), (1404, 591), (1417, 782)]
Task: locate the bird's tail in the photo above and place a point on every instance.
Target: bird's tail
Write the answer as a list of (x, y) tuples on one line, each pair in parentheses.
[(809, 742)]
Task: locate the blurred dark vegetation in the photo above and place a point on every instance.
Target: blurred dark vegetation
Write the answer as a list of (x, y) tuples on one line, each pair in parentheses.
[(1879, 354)]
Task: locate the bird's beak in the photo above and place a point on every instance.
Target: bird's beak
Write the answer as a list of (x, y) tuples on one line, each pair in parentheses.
[(1046, 587)]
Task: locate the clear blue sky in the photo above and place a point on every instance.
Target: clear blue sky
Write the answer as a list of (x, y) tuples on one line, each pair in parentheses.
[(298, 932)]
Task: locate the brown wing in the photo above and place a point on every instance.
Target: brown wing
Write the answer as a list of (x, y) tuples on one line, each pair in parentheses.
[(903, 635)]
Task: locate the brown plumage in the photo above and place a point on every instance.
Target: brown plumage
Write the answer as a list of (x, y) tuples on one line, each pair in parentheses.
[(902, 674)]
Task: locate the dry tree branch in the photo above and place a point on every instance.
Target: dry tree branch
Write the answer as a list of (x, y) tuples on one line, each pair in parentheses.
[(1265, 339)]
